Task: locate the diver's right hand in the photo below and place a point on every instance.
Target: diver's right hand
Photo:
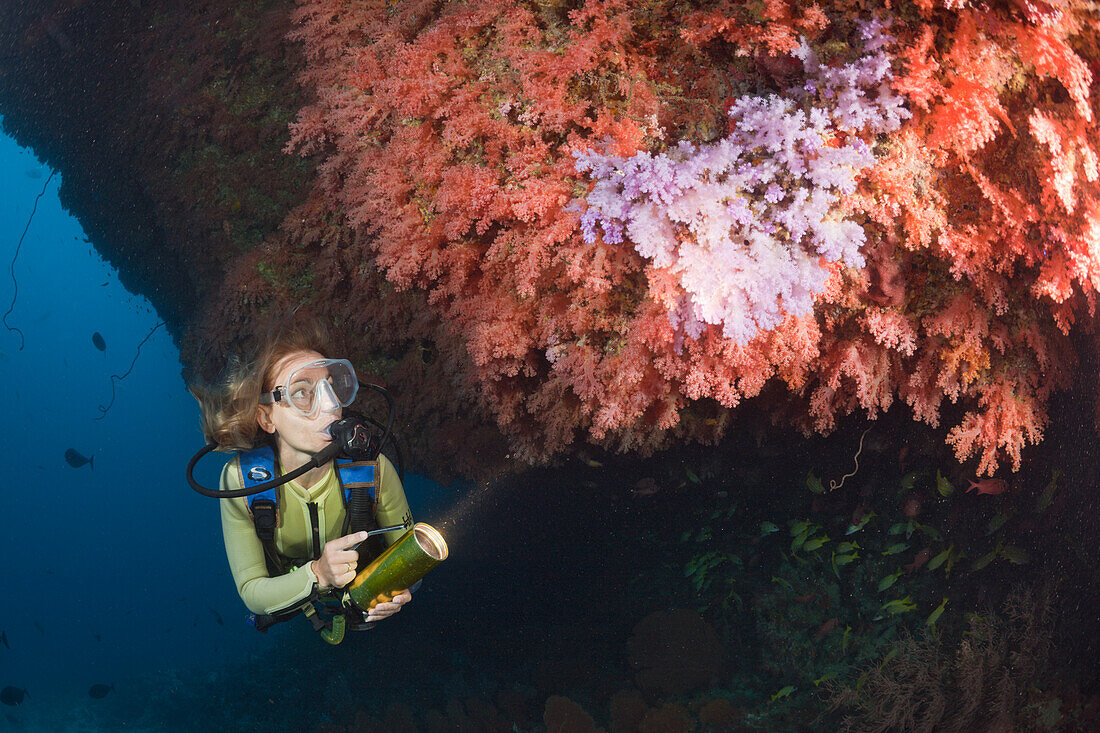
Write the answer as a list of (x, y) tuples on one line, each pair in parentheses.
[(336, 566)]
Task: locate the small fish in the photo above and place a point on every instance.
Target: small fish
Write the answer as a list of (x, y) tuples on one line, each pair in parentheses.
[(1015, 555), (813, 483), (896, 548), (943, 486), (4, 638), (935, 615), (919, 559), (900, 605), (911, 508), (784, 692), (645, 487), (797, 542), (889, 655), (932, 533), (217, 617), (691, 476), (825, 628), (857, 526), (766, 528), (105, 284), (847, 547), (97, 340), (815, 543), (39, 627), (12, 695), (1048, 493), (985, 559), (98, 637), (992, 486), (76, 460), (889, 580), (832, 673), (800, 527), (940, 558), (98, 692), (839, 561), (998, 521), (909, 480)]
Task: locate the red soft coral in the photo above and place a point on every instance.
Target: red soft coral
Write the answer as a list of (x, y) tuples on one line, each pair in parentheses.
[(448, 132)]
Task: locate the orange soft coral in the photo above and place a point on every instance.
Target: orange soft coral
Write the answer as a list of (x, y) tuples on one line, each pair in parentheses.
[(448, 132)]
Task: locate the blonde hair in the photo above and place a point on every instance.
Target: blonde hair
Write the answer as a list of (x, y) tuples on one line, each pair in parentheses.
[(229, 409)]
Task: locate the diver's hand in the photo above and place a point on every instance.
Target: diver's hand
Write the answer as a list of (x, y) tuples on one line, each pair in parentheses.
[(337, 565), (390, 607)]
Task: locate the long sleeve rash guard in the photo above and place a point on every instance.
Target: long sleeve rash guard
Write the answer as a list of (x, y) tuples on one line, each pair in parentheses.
[(263, 594)]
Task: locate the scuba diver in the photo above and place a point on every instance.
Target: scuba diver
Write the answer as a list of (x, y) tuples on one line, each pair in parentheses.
[(300, 522)]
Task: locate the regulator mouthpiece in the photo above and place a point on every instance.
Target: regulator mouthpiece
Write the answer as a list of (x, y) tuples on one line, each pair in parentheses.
[(356, 439)]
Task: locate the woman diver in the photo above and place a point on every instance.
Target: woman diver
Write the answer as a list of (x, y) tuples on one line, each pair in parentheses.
[(275, 411)]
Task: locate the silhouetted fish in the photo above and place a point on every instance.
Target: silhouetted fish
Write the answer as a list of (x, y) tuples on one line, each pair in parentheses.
[(76, 460), (97, 339), (99, 692), (427, 351), (217, 617), (98, 637), (39, 627), (4, 638), (12, 695), (646, 486)]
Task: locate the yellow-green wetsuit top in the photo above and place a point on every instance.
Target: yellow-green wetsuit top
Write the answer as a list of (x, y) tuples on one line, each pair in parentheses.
[(263, 594)]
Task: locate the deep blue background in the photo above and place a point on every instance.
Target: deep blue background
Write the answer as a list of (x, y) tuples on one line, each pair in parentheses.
[(112, 573)]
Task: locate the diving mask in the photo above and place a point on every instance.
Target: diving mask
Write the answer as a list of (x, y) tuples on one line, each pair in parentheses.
[(325, 384)]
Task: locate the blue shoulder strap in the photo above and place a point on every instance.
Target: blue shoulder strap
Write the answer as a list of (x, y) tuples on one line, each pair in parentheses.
[(257, 466), (354, 474)]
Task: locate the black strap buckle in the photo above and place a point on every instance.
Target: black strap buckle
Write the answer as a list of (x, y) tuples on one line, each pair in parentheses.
[(265, 517)]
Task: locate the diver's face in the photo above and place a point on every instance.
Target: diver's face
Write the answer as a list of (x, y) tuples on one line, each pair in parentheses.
[(297, 437)]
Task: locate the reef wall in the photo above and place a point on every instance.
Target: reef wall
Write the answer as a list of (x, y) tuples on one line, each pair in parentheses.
[(548, 224), (168, 121), (149, 111)]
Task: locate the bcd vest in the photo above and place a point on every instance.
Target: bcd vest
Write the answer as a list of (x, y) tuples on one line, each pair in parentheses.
[(258, 466)]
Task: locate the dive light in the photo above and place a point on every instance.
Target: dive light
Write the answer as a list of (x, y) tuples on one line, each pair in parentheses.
[(400, 566)]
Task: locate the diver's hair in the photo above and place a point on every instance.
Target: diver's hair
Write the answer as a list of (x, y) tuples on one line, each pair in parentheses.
[(229, 409)]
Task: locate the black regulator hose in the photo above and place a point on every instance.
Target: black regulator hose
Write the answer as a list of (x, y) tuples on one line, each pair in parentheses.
[(320, 458), (391, 410), (352, 437)]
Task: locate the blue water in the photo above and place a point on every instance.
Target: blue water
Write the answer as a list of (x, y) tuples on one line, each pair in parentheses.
[(115, 574)]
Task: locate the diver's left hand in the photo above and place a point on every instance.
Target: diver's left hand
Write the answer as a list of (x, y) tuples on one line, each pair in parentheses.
[(389, 608)]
